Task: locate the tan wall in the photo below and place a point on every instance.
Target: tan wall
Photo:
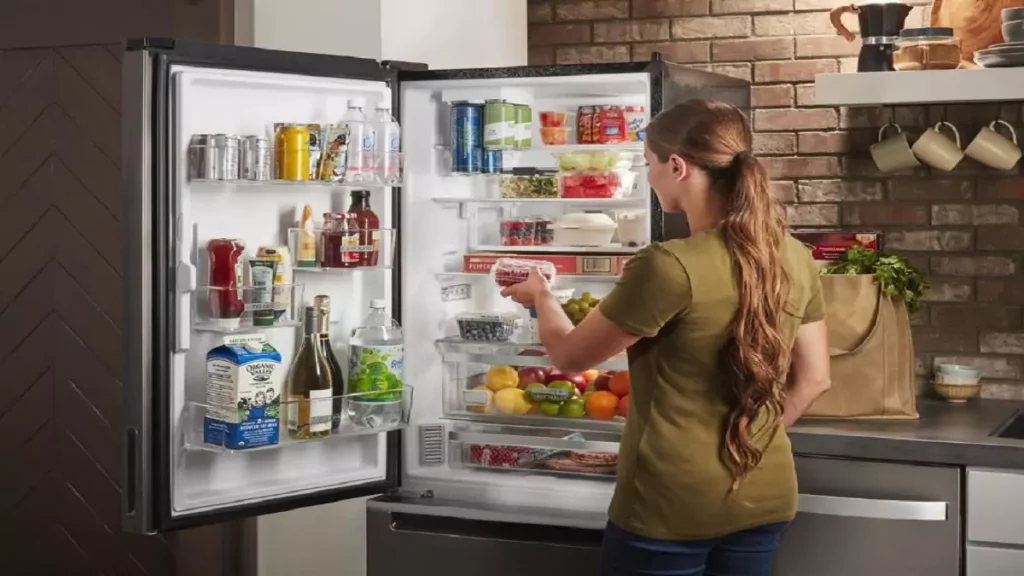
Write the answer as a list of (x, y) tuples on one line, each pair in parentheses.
[(964, 228)]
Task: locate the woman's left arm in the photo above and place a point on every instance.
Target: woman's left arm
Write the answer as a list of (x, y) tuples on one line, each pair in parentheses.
[(577, 348)]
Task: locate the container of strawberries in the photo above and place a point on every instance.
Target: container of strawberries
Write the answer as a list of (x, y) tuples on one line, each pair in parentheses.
[(512, 271)]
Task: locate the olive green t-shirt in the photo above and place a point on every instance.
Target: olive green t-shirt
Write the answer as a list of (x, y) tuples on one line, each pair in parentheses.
[(673, 482)]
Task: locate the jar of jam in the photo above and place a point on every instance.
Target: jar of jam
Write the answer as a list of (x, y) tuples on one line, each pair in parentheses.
[(339, 236)]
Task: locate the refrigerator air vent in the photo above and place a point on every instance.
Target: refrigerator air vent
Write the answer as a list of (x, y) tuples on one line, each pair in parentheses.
[(431, 445)]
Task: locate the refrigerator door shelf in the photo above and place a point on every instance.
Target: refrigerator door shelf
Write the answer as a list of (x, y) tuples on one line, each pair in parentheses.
[(371, 249), (214, 185), (198, 436), (457, 350), (247, 308)]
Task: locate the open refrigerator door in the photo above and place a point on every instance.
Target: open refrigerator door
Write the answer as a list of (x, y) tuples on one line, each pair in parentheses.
[(506, 170), (253, 236)]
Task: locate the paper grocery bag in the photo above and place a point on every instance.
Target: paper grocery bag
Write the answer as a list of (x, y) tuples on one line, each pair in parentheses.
[(872, 352)]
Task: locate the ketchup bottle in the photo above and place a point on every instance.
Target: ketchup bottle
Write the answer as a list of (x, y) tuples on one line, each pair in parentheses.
[(364, 220)]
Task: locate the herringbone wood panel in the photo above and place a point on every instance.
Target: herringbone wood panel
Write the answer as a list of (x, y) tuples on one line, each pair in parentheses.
[(60, 318)]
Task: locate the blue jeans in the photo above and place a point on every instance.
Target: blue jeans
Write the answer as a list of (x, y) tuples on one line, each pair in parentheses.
[(746, 553)]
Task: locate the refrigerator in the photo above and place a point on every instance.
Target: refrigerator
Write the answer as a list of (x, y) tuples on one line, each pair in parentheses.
[(456, 457)]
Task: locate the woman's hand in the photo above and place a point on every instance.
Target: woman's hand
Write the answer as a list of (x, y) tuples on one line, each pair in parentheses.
[(528, 292)]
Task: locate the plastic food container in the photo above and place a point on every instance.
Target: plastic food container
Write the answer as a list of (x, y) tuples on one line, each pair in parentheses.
[(595, 161), (612, 184), (926, 49), (632, 227), (584, 229), (554, 136), (486, 327), (549, 119), (529, 186), (526, 232), (511, 271)]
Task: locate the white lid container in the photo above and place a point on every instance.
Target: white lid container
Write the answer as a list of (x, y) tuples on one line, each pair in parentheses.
[(584, 229)]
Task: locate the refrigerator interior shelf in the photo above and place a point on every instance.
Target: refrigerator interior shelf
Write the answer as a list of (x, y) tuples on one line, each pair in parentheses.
[(247, 308), (455, 349), (557, 249), (636, 147), (309, 184), (568, 278), (637, 200), (556, 452), (357, 414)]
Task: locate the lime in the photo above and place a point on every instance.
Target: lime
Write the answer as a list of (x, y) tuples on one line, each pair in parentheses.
[(550, 408), (535, 387), (573, 408)]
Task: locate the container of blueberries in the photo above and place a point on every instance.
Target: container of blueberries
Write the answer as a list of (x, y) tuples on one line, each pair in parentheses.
[(487, 327)]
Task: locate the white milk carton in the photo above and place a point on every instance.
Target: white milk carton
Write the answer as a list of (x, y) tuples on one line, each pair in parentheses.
[(243, 392)]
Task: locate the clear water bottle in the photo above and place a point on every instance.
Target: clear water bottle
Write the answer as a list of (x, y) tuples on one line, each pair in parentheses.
[(375, 375), (388, 143), (360, 163)]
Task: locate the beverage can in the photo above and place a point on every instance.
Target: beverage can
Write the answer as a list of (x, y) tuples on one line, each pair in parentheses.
[(635, 118), (524, 127), (499, 125), (467, 128), (492, 162), (292, 141), (226, 157), (256, 158)]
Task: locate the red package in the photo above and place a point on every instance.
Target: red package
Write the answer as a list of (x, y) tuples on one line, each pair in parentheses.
[(585, 117), (611, 125)]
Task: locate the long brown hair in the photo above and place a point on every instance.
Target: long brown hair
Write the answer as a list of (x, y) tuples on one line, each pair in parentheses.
[(715, 137)]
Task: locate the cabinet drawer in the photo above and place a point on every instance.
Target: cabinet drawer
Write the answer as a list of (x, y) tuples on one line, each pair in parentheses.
[(982, 561), (995, 508)]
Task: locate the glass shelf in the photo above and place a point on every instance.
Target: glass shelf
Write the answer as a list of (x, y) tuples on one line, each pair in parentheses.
[(558, 452), (556, 249), (637, 147), (357, 414), (236, 309), (581, 278), (455, 349), (587, 202), (290, 183)]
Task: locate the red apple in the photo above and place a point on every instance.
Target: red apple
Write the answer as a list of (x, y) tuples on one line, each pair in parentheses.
[(532, 375), (601, 383), (538, 354), (576, 378)]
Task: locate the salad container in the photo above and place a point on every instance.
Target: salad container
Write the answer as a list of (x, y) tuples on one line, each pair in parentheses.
[(486, 327), (584, 229), (512, 271), (529, 186)]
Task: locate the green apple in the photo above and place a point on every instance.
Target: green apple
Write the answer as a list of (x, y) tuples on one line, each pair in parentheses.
[(550, 408), (573, 408)]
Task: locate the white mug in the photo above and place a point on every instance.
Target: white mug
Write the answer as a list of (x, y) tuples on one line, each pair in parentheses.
[(936, 150), (893, 153), (993, 149)]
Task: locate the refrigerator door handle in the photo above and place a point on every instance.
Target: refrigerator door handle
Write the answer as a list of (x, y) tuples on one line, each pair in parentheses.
[(872, 508)]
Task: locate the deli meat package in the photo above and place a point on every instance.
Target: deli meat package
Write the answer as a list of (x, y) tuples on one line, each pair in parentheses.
[(511, 271)]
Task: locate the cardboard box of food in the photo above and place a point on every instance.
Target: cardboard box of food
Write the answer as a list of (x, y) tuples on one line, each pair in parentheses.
[(830, 245), (571, 264)]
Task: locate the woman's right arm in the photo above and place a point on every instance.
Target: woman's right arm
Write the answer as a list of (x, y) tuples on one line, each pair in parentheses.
[(809, 371)]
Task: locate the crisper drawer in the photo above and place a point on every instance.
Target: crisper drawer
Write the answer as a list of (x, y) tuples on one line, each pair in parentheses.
[(521, 450), (995, 507), (514, 383), (858, 517)]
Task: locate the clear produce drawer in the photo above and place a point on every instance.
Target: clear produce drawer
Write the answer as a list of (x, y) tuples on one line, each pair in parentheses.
[(514, 383), (558, 452)]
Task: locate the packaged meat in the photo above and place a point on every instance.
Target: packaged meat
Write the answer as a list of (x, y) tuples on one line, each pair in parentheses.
[(611, 125), (486, 327), (585, 128), (511, 271), (611, 184), (494, 456)]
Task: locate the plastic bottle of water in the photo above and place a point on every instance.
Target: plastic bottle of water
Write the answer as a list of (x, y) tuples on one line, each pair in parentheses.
[(360, 161), (375, 375), (388, 143)]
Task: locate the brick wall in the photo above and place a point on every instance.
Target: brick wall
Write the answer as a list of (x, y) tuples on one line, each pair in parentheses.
[(963, 228)]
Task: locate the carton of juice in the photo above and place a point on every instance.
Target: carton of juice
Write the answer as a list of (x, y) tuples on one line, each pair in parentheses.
[(243, 386)]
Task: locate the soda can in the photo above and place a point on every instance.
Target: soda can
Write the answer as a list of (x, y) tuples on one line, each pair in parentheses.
[(467, 132), (524, 127), (257, 159), (202, 157), (226, 156), (492, 161), (499, 125)]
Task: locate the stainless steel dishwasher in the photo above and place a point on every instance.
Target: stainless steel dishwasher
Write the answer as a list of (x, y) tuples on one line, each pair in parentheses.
[(859, 518)]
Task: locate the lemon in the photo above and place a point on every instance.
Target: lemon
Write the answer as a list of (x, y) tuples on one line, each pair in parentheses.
[(512, 401), (501, 377)]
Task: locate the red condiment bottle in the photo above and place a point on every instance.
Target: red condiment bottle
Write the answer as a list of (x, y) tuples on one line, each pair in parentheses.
[(367, 250), (339, 237), (226, 277)]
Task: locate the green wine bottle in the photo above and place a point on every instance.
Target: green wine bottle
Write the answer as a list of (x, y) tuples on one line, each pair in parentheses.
[(323, 303)]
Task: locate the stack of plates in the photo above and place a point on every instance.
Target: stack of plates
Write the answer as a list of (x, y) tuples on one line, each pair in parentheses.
[(1005, 55)]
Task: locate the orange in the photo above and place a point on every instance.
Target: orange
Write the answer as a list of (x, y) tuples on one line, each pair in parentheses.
[(624, 406), (602, 405), (619, 384), (590, 375)]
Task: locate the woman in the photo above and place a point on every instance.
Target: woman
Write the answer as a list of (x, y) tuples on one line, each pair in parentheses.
[(726, 345)]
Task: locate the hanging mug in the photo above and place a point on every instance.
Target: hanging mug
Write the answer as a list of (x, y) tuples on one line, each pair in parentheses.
[(993, 149), (937, 151), (893, 153)]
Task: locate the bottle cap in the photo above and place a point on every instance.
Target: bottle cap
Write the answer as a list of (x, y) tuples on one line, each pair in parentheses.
[(378, 303), (384, 104), (356, 102)]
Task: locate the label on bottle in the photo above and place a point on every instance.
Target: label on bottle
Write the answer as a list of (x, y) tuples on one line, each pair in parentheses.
[(316, 412), (375, 373), (350, 248)]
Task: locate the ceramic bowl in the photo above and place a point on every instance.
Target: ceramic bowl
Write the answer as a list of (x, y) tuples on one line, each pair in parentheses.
[(956, 380), (959, 370), (1011, 14), (956, 393), (1013, 31)]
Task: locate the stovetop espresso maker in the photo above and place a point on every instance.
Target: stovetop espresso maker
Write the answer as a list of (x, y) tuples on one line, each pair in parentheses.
[(880, 25)]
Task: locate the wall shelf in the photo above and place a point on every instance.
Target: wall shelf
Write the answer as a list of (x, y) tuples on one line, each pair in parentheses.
[(920, 87)]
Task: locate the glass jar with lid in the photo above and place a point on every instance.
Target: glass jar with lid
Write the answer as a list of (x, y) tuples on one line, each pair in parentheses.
[(931, 48)]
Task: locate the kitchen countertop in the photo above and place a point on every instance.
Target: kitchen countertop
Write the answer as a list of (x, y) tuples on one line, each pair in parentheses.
[(957, 434)]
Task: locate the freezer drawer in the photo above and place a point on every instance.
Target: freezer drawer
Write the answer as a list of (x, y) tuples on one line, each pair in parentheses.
[(403, 544), (883, 519), (984, 561), (994, 506)]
